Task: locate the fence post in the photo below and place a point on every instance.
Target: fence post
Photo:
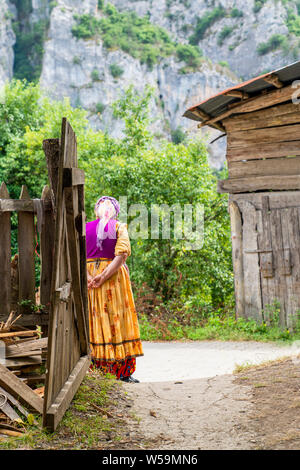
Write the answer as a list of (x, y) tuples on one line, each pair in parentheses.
[(5, 256), (47, 252), (26, 256)]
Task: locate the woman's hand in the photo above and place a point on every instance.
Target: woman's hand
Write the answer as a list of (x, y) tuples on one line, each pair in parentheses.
[(97, 281), (124, 257), (89, 280), (108, 272)]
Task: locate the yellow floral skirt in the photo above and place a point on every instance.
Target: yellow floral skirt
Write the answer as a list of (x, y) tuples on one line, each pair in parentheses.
[(113, 322)]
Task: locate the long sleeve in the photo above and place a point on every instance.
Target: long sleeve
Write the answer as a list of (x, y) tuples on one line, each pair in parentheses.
[(123, 242)]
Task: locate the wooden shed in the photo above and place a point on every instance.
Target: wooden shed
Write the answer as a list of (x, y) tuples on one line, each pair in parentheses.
[(261, 118)]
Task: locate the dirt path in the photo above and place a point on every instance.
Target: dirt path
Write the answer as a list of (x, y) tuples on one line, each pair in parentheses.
[(194, 414), (259, 408)]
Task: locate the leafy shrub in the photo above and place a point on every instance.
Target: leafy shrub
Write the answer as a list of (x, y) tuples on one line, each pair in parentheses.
[(100, 107), (86, 26), (134, 35), (178, 136), (189, 54), (116, 70), (226, 31), (95, 75), (275, 42), (236, 13), (293, 22), (76, 60), (29, 49), (224, 63), (52, 5), (205, 22), (258, 4)]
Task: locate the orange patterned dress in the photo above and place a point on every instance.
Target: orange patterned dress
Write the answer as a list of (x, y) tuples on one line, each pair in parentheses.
[(113, 323)]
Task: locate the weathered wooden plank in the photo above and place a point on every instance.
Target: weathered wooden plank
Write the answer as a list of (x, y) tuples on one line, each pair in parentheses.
[(47, 252), (237, 257), (26, 256), (8, 410), (259, 183), (19, 390), (10, 205), (16, 363), (14, 402), (11, 334), (82, 254), (275, 121), (51, 149), (254, 103), (277, 245), (5, 256), (266, 150), (291, 240), (277, 199), (279, 166), (265, 282), (274, 116), (14, 278), (73, 177), (252, 290), (265, 135), (266, 257), (17, 350), (54, 152), (57, 409), (75, 267), (274, 80)]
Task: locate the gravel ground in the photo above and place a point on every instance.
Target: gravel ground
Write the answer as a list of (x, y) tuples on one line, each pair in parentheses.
[(201, 359)]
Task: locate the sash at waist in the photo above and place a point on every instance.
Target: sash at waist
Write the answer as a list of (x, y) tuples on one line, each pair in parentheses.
[(92, 260)]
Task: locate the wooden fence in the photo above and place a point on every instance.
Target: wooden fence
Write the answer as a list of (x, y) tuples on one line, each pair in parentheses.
[(18, 279), (59, 218)]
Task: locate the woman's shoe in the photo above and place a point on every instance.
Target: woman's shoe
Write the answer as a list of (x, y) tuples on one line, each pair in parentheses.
[(130, 380)]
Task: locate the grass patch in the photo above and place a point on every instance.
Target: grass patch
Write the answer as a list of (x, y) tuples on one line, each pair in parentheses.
[(214, 327), (249, 366), (82, 427)]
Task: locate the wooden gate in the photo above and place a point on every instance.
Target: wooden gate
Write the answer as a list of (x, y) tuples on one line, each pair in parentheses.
[(68, 344), (266, 254)]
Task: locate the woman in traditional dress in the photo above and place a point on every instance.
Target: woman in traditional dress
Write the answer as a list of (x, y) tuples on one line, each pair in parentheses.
[(114, 329)]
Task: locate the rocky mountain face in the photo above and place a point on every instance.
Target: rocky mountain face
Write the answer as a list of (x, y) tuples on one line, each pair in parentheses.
[(7, 41), (234, 39)]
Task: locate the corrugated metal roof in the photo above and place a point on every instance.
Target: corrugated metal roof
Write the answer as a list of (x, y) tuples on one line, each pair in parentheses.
[(218, 104)]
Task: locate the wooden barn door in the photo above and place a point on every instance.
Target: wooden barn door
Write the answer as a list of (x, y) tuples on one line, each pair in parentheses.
[(266, 254), (279, 243), (68, 344)]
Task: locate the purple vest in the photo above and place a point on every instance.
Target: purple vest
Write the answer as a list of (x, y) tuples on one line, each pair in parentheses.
[(108, 244)]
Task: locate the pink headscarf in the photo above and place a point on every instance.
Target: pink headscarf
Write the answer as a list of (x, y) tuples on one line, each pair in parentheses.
[(106, 208)]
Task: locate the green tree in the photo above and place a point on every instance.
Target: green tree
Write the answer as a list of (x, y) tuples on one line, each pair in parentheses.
[(139, 167)]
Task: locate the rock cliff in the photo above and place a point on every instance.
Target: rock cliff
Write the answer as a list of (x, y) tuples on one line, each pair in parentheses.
[(235, 40)]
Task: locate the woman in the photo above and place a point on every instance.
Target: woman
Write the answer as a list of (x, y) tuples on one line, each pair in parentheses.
[(114, 330)]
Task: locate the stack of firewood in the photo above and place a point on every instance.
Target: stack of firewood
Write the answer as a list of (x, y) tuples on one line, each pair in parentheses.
[(22, 354)]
